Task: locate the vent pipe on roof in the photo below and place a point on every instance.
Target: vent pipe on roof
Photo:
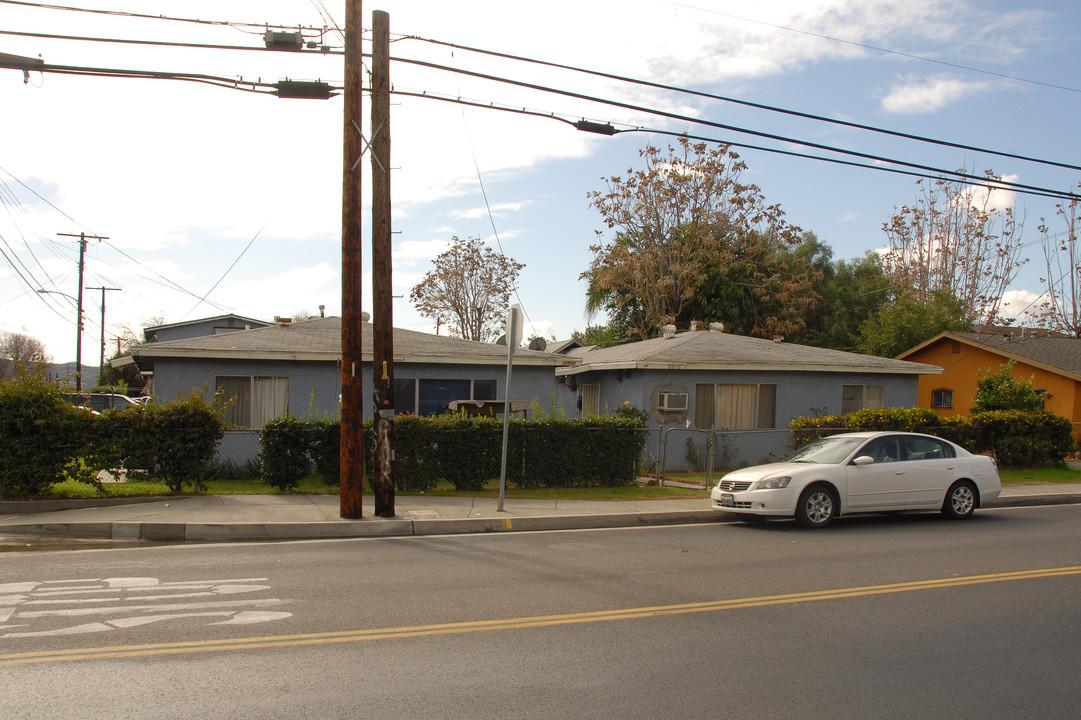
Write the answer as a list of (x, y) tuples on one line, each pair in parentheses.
[(669, 331), (717, 327)]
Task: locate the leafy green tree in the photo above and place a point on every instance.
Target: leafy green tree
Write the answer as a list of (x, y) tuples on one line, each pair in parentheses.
[(601, 335), (694, 242), (851, 292), (905, 322), (1001, 390)]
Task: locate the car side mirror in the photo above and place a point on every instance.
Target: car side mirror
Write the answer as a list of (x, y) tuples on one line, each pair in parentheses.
[(864, 460)]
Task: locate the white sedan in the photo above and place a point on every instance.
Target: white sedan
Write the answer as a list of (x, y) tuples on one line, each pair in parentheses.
[(862, 472)]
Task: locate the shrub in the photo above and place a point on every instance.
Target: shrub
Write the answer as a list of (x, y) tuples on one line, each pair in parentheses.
[(1018, 438), (41, 434), (1022, 439), (1002, 391), (283, 457)]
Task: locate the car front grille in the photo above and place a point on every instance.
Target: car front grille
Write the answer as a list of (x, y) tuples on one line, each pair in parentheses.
[(733, 486)]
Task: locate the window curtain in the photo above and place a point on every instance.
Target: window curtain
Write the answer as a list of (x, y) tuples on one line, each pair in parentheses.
[(874, 396), (270, 399), (737, 407), (236, 391)]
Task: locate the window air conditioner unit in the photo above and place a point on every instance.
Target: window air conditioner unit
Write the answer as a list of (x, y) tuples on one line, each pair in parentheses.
[(673, 401)]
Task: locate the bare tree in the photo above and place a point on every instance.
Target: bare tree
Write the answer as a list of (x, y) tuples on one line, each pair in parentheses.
[(23, 350), (469, 289), (685, 215), (1062, 301), (959, 238)]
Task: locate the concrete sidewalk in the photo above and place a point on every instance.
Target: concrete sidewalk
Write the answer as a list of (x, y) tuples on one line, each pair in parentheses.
[(289, 517)]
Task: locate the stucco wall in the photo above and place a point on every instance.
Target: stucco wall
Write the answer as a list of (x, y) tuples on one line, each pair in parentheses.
[(798, 394), (314, 387), (960, 372)]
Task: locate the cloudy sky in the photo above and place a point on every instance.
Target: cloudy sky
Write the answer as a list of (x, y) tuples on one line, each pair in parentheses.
[(215, 201)]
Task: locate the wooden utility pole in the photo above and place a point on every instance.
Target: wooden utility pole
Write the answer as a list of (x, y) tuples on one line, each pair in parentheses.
[(382, 300), (79, 326), (101, 362), (352, 411)]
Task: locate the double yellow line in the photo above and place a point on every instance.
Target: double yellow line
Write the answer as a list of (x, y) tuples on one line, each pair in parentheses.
[(204, 646)]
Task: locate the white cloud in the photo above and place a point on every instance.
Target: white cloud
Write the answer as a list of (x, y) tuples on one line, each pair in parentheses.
[(1021, 305), (928, 94)]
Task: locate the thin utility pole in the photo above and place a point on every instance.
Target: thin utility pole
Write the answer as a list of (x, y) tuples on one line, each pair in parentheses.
[(352, 411), (382, 298), (83, 237), (101, 362)]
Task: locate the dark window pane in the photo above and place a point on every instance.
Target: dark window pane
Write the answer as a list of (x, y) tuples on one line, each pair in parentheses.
[(435, 394)]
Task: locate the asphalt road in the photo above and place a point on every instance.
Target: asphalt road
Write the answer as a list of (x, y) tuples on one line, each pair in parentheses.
[(888, 617)]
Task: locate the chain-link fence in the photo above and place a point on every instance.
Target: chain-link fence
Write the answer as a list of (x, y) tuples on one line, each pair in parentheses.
[(238, 448)]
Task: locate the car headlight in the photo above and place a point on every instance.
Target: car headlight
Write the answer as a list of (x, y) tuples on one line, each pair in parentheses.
[(774, 483)]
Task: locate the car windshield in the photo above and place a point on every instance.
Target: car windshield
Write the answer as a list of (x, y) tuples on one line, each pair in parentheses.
[(831, 450)]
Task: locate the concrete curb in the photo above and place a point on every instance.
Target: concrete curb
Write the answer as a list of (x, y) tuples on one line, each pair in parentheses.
[(403, 527), (368, 527)]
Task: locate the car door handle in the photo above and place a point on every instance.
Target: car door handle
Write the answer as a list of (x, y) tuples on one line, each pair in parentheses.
[(899, 472)]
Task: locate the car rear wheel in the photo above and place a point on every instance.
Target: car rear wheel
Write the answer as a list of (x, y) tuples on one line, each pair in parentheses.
[(817, 507), (960, 500)]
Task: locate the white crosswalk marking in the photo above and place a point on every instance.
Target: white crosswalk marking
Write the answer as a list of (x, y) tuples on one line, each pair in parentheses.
[(39, 609)]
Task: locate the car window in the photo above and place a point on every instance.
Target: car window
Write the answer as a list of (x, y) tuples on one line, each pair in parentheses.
[(826, 450), (883, 449), (925, 448)]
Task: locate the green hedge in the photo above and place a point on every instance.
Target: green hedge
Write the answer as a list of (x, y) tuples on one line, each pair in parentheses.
[(1017, 438), (41, 434), (467, 451), (44, 439)]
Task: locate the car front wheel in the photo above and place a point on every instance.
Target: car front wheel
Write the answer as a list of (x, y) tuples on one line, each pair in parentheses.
[(960, 500), (816, 508)]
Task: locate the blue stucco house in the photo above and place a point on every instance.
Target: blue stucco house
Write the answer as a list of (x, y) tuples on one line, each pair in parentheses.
[(726, 394)]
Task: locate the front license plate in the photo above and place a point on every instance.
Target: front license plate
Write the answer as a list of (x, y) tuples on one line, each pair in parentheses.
[(728, 500)]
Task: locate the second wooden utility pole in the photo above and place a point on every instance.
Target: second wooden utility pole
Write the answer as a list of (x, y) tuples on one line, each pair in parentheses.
[(382, 293)]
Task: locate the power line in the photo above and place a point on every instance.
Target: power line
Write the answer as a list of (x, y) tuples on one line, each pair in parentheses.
[(227, 271), (887, 51), (143, 16), (1029, 189), (747, 103), (323, 50)]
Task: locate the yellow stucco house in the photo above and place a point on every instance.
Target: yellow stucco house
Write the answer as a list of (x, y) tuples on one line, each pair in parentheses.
[(1054, 364)]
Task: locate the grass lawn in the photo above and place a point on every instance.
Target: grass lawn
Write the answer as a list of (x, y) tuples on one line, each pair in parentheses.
[(312, 485)]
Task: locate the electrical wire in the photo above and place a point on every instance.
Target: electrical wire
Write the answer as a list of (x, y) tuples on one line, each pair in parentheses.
[(747, 103), (323, 50), (488, 208), (919, 171), (745, 131), (227, 271), (228, 83), (167, 282), (143, 16), (887, 51)]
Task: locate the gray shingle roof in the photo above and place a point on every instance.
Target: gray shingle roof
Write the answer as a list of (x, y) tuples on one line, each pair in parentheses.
[(1056, 353), (707, 350), (320, 339)]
